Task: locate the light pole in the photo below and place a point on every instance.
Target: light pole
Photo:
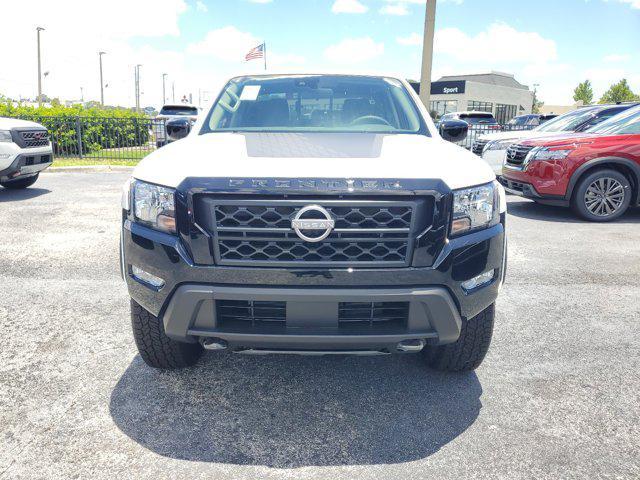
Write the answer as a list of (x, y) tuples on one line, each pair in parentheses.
[(427, 52), (39, 29), (101, 82), (164, 96), (138, 87)]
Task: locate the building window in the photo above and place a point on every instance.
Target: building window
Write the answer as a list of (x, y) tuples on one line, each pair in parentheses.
[(504, 113), (438, 108), (480, 106)]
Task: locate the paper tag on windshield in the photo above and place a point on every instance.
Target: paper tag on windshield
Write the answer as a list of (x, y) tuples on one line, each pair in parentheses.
[(250, 92)]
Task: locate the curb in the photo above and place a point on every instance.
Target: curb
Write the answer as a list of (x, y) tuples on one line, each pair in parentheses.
[(89, 168)]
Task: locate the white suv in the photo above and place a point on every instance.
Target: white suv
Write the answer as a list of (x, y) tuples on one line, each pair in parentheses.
[(25, 150)]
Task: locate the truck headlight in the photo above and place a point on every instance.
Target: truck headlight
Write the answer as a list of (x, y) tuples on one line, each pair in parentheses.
[(474, 208), (550, 153), (5, 136), (154, 206), (498, 145)]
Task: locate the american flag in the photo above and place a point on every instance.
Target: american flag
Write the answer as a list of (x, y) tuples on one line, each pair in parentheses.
[(255, 52)]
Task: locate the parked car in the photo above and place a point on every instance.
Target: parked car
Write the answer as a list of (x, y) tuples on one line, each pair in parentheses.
[(479, 123), (597, 173), (169, 112), (528, 120), (25, 150), (493, 147), (346, 227)]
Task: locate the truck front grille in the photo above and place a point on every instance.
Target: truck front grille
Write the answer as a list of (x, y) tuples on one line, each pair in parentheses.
[(249, 313), (478, 146), (516, 154), (373, 314), (256, 232), (34, 138)]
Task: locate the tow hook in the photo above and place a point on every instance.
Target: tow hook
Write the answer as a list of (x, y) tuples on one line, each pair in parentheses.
[(413, 345), (213, 343)]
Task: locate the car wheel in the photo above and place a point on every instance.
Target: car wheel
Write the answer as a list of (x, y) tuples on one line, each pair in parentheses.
[(155, 347), (602, 196), (469, 350), (20, 183)]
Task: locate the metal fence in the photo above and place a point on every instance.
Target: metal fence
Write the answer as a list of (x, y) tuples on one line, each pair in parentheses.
[(475, 131), (103, 138)]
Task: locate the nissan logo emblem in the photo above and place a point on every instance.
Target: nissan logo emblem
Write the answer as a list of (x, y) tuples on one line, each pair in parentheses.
[(324, 225)]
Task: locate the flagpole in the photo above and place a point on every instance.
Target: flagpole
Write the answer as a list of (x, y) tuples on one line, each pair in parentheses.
[(264, 46)]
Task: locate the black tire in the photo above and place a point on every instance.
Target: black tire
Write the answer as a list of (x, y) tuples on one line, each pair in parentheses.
[(20, 183), (579, 198), (471, 347), (155, 347)]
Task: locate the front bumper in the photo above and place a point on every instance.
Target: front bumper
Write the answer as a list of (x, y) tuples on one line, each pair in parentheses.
[(27, 163), (527, 190), (437, 301), (495, 159)]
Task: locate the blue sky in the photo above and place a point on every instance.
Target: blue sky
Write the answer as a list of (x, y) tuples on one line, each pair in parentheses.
[(200, 42)]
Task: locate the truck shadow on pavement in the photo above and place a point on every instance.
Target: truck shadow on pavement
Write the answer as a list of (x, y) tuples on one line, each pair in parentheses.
[(534, 211), (289, 411), (8, 195)]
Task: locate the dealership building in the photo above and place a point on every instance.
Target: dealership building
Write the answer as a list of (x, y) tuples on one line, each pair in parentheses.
[(496, 92)]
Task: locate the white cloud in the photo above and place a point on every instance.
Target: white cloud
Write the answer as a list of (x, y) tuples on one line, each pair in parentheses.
[(410, 40), (499, 43), (348, 6), (260, 1), (354, 50), (616, 58), (226, 43), (424, 2), (633, 3), (395, 9), (201, 7), (70, 48)]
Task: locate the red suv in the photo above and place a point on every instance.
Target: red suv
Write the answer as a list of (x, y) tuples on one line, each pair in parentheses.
[(597, 172)]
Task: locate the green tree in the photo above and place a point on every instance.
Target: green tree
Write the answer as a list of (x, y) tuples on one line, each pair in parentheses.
[(619, 92), (537, 103), (583, 92)]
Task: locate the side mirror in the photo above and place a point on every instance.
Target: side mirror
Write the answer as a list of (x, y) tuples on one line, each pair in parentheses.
[(178, 128), (454, 130)]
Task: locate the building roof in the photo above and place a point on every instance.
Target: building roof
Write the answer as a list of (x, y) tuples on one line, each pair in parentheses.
[(494, 78)]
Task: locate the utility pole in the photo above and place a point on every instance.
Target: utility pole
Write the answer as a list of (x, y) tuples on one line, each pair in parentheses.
[(101, 82), (39, 29), (173, 92), (138, 87), (427, 52), (164, 95), (82, 94)]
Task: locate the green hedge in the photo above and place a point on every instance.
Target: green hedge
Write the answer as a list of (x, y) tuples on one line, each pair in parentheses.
[(99, 128)]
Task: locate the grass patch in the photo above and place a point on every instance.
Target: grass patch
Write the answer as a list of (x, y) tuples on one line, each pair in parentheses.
[(79, 162), (116, 156), (119, 154)]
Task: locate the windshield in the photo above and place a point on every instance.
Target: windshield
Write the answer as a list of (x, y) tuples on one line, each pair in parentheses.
[(477, 118), (178, 110), (625, 123), (567, 122), (314, 103)]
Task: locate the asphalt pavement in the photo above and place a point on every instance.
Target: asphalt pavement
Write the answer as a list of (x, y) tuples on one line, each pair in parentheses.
[(558, 395)]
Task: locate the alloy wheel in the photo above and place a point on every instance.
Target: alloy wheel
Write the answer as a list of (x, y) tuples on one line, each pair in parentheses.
[(604, 196)]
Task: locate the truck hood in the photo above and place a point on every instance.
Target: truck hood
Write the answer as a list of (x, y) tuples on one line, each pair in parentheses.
[(9, 123), (313, 155)]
